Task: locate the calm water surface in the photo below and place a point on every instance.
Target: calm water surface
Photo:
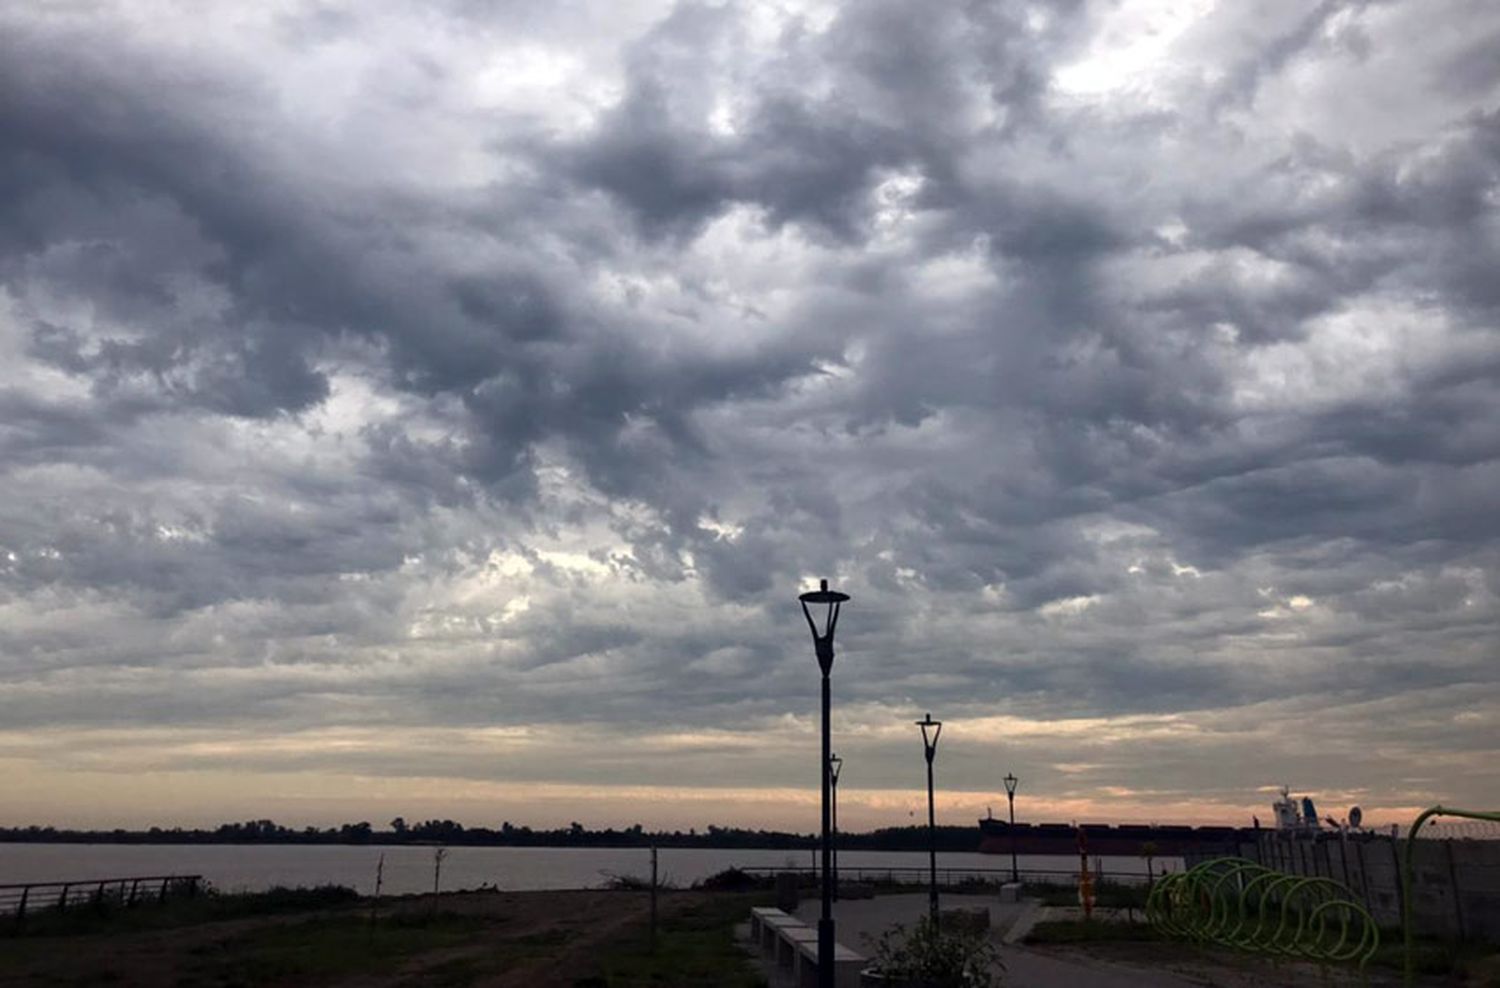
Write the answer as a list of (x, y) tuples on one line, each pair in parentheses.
[(409, 869)]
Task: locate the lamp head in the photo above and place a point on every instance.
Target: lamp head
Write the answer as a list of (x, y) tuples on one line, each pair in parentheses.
[(1010, 784), (835, 765), (829, 600), (930, 731)]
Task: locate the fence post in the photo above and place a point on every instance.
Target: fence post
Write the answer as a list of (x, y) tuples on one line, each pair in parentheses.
[(1458, 906), (1364, 876), (62, 899), (1400, 892), (134, 883), (21, 909)]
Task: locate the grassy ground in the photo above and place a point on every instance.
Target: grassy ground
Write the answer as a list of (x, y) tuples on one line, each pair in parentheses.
[(694, 947), (1069, 931), (324, 949), (1107, 895), (494, 939)]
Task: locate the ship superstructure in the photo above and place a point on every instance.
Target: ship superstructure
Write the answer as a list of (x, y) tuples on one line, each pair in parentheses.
[(1295, 818)]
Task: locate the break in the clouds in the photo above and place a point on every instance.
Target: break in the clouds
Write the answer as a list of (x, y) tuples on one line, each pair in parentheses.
[(440, 405)]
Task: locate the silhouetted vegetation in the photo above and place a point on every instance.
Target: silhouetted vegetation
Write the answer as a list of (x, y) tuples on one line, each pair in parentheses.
[(449, 832), (733, 880)]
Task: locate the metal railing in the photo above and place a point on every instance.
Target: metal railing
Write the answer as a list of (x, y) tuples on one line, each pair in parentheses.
[(954, 876), (17, 900)]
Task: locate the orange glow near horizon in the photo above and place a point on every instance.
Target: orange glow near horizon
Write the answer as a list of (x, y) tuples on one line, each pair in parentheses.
[(93, 800)]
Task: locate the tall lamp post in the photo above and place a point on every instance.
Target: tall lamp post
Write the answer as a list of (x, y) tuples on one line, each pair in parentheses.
[(930, 731), (823, 649), (1010, 797), (835, 766)]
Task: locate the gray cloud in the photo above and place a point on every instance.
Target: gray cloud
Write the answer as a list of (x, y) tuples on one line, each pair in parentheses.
[(517, 371)]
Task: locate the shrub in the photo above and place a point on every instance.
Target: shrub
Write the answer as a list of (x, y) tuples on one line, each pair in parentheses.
[(732, 880), (928, 957)]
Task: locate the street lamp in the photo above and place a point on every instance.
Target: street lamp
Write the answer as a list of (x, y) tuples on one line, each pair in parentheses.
[(835, 766), (930, 731), (1010, 797), (823, 649)]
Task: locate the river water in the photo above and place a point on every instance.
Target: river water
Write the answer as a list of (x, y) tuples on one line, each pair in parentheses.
[(232, 867)]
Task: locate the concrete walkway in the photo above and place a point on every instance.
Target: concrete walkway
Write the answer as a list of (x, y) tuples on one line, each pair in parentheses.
[(858, 919)]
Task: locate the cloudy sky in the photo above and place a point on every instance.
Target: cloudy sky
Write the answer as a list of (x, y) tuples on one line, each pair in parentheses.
[(435, 408)]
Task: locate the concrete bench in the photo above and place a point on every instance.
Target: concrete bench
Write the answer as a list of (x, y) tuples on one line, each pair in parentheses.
[(766, 925), (794, 946), (846, 965), (789, 940), (758, 916)]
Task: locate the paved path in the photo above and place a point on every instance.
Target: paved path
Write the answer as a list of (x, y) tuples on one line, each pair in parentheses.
[(1142, 966), (857, 918)]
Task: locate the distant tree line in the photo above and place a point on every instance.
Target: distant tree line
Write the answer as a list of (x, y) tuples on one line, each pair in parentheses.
[(449, 832)]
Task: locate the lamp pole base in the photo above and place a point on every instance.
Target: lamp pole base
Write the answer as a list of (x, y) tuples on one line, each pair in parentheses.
[(825, 953)]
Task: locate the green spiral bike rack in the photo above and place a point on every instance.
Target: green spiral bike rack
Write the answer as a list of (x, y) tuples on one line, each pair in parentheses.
[(1235, 902)]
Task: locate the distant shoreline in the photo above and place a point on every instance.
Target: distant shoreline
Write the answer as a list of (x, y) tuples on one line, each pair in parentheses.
[(263, 833)]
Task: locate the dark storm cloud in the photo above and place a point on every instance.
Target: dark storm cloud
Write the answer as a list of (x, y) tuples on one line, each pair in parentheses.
[(361, 374)]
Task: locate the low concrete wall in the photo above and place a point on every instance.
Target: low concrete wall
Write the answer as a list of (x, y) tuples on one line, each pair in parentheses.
[(1455, 889)]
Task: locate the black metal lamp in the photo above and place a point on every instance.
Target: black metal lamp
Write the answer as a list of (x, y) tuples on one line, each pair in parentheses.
[(830, 601), (835, 766), (930, 731), (1010, 797)]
